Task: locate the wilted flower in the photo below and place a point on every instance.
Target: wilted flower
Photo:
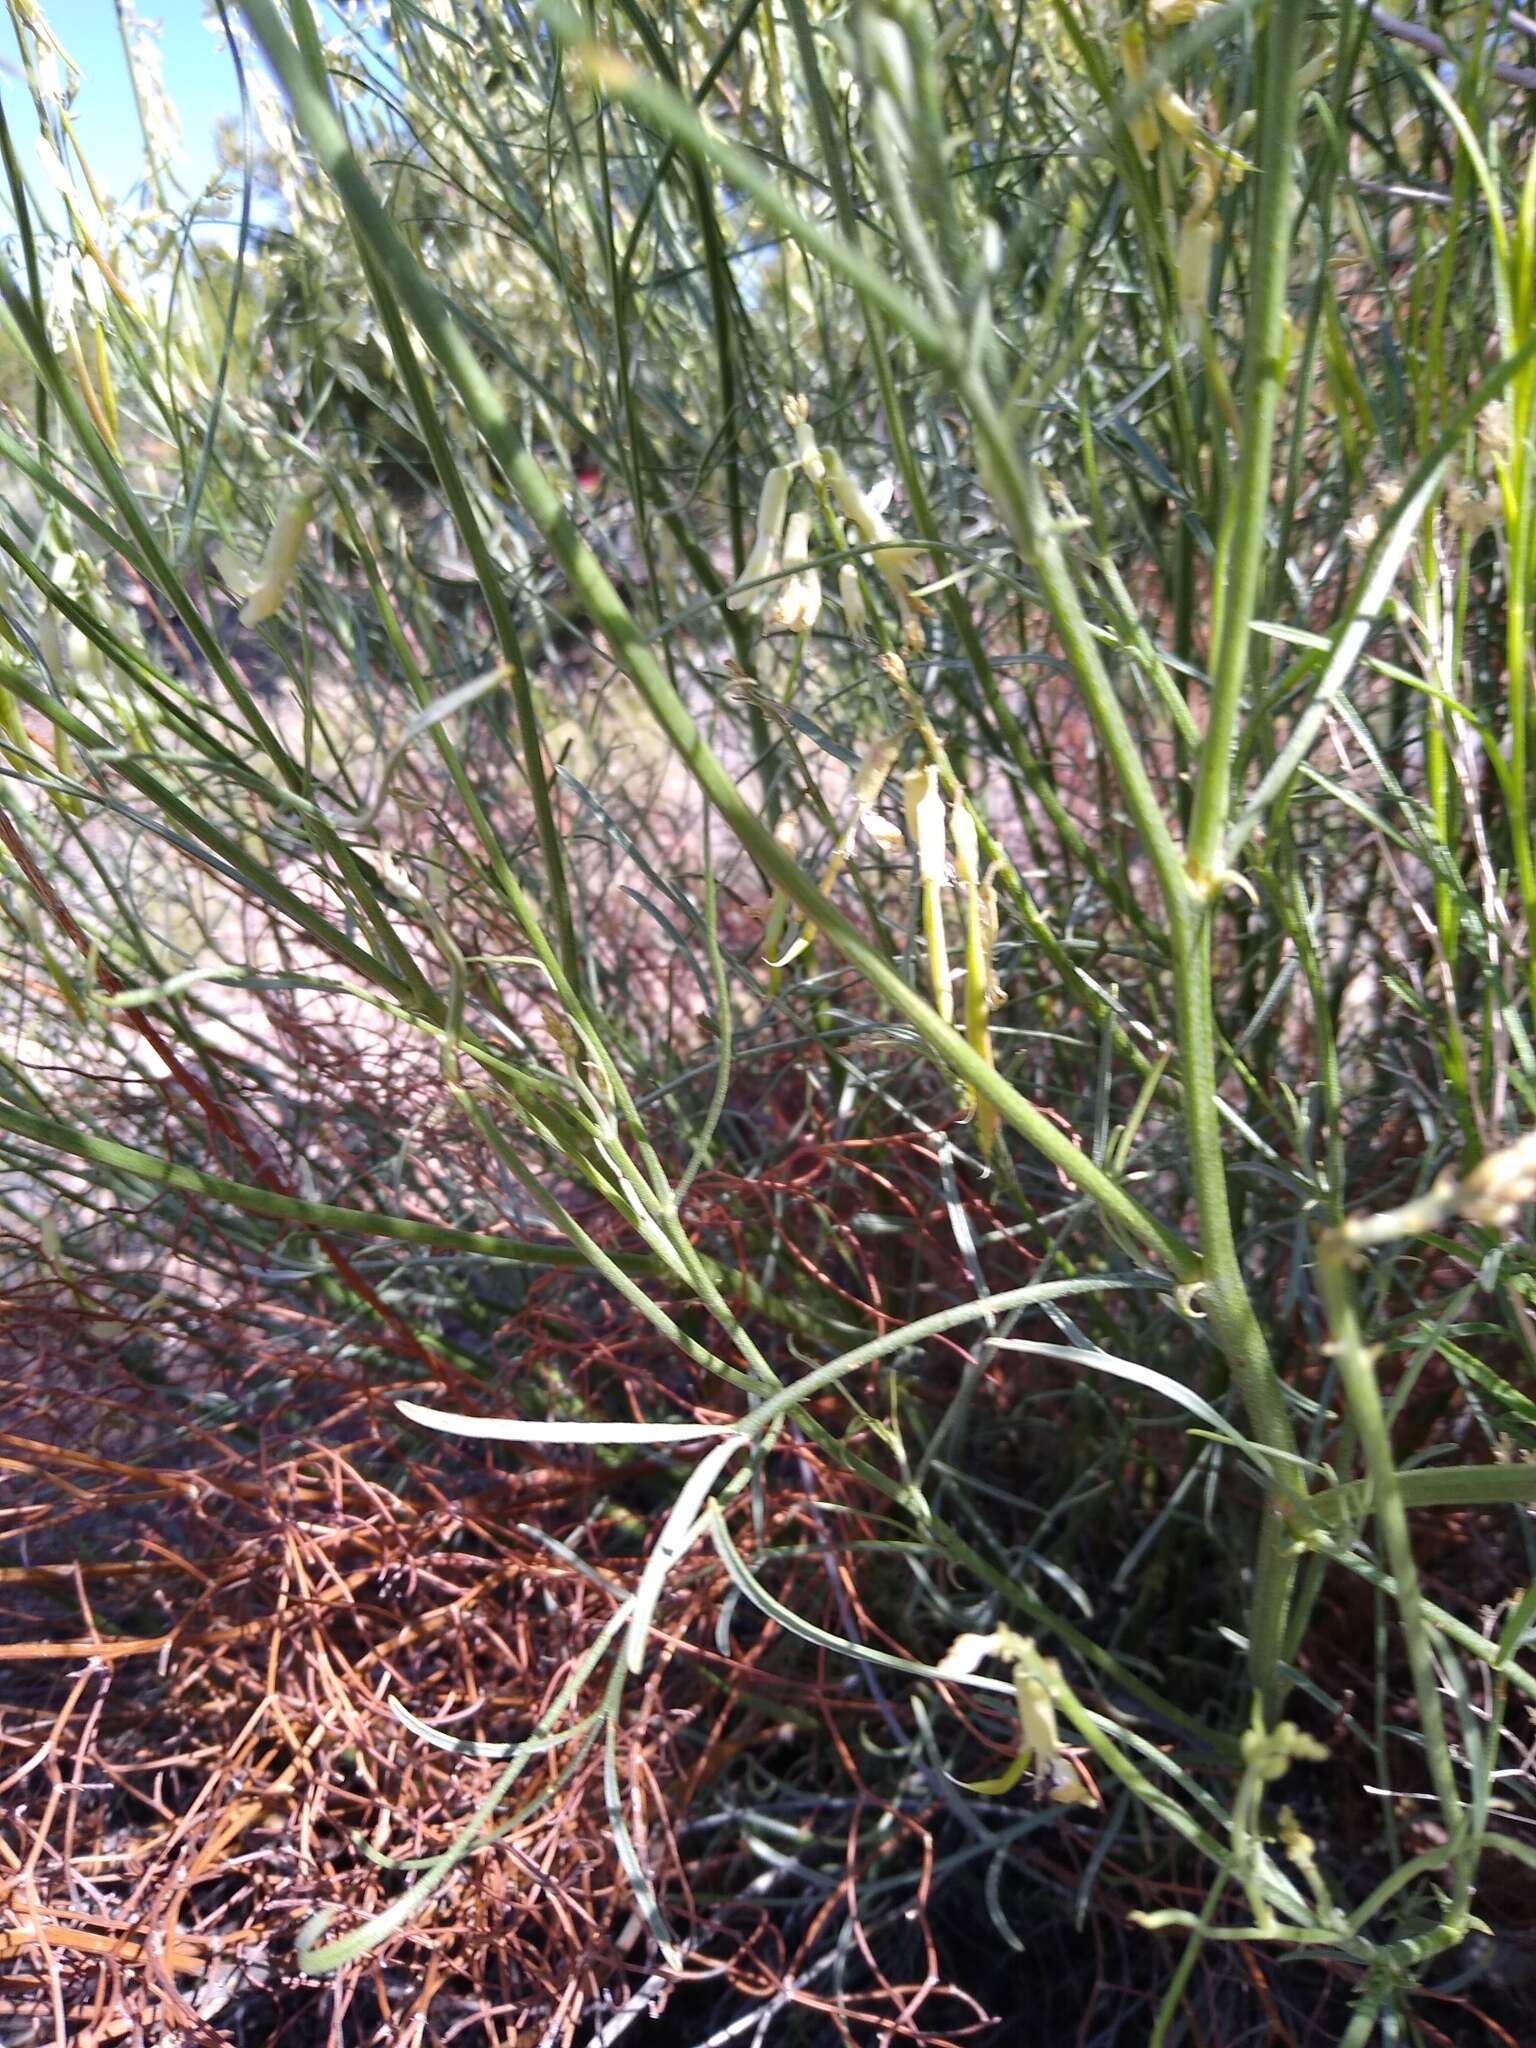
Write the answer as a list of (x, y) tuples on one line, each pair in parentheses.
[(869, 779), (1178, 113), (895, 558), (965, 1655), (986, 898), (1362, 531), (1037, 1682), (982, 994), (880, 831)]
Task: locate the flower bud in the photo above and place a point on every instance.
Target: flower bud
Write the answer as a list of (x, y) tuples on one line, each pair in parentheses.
[(797, 417)]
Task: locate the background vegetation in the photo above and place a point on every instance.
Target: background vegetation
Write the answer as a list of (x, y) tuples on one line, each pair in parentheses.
[(767, 1087)]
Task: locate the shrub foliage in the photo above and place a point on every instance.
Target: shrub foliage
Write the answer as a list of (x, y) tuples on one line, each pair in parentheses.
[(767, 1080)]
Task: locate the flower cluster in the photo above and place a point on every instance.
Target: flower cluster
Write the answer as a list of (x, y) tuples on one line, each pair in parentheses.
[(779, 573)]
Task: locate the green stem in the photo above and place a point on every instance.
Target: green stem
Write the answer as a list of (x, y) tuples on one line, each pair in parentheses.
[(1240, 557), (434, 321), (1357, 1372)]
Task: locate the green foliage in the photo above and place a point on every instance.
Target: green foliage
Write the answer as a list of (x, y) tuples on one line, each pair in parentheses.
[(465, 617)]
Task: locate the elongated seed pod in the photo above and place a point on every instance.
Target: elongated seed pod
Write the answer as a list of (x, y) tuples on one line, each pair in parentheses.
[(280, 559)]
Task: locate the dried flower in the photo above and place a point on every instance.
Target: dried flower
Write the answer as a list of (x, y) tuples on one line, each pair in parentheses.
[(1468, 511), (1498, 1187), (1494, 442), (157, 110), (1361, 533)]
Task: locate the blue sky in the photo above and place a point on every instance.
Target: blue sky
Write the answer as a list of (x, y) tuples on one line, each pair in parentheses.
[(198, 76)]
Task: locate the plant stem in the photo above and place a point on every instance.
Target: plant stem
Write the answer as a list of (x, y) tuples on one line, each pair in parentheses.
[(1357, 1371), (378, 235)]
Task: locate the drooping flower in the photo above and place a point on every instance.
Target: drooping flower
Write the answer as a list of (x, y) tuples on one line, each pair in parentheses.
[(799, 600), (925, 822), (850, 595), (772, 504), (893, 556)]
